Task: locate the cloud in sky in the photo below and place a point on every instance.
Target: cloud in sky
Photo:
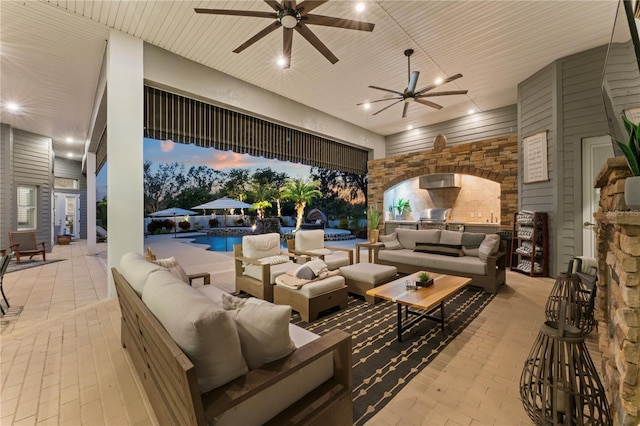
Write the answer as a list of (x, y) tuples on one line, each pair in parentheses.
[(190, 155)]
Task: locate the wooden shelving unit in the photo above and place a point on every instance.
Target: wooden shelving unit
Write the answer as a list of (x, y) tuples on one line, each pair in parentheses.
[(530, 244)]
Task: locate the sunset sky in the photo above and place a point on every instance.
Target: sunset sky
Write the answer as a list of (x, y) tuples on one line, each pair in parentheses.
[(190, 155)]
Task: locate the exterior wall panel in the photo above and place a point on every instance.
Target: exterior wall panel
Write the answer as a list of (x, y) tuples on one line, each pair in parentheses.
[(483, 125), (33, 165)]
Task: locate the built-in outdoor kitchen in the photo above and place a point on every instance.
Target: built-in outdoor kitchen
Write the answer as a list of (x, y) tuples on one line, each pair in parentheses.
[(444, 201)]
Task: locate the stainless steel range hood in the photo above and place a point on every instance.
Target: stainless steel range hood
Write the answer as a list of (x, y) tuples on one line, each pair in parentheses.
[(440, 181)]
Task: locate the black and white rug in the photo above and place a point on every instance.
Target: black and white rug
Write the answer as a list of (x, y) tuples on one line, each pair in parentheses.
[(28, 263), (382, 365)]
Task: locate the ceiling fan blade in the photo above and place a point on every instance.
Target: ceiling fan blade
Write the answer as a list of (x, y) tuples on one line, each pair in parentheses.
[(379, 100), (287, 43), (413, 80), (388, 106), (289, 5), (434, 85), (270, 28), (450, 92), (307, 6), (315, 42), (274, 5), (329, 21), (404, 110), (427, 103), (252, 13), (387, 90)]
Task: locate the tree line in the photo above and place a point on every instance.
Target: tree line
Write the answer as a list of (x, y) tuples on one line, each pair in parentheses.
[(168, 185)]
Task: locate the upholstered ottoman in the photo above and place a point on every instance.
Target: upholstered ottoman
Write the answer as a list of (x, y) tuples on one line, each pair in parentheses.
[(313, 298), (361, 277)]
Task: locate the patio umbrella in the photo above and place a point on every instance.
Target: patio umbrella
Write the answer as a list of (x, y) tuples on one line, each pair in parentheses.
[(224, 203), (173, 212)]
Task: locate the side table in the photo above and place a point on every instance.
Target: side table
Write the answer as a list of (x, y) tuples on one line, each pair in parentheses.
[(371, 247)]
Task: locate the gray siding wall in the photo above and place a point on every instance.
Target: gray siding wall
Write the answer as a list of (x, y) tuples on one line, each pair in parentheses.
[(582, 116), (33, 165), (564, 98), (70, 169), (6, 183), (482, 125), (536, 113)]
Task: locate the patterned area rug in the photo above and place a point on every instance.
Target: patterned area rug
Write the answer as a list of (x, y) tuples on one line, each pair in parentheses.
[(381, 364), (28, 263)]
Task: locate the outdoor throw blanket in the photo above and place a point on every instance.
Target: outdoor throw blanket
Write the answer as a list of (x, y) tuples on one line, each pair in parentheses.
[(309, 272)]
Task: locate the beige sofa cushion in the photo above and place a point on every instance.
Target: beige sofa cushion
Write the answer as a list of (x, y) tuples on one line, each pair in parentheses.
[(255, 271), (309, 240), (409, 237), (136, 269), (204, 331), (261, 246)]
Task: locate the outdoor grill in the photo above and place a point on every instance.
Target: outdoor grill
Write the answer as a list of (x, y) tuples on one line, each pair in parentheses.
[(433, 219)]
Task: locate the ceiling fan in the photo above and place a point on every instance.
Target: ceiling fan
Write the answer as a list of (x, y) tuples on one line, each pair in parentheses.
[(410, 94), (291, 17)]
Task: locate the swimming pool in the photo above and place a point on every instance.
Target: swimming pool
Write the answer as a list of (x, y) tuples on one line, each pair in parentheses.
[(222, 242)]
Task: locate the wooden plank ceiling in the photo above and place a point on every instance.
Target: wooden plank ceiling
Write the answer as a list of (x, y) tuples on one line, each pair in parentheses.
[(52, 51)]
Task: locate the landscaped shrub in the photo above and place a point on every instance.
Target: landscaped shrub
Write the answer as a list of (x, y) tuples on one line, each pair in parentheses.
[(169, 224), (213, 223), (344, 223), (155, 226), (184, 225)]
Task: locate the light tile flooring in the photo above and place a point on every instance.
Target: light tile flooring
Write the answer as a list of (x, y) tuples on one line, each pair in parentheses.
[(62, 363)]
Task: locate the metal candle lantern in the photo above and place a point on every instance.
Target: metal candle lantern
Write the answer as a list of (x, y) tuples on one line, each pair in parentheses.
[(569, 298), (559, 383)]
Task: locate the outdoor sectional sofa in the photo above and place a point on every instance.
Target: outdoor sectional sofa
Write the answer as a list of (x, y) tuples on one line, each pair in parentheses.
[(447, 252), (206, 357)]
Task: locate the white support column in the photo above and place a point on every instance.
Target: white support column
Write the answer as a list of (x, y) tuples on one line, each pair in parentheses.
[(91, 203), (125, 121)]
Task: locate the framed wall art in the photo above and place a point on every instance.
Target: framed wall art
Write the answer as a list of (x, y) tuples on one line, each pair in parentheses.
[(535, 157)]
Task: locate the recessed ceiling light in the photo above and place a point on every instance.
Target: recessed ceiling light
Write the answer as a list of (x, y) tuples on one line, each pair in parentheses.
[(471, 111), (367, 105), (410, 127), (69, 140), (12, 106), (282, 62), (360, 7), (69, 155), (438, 80)]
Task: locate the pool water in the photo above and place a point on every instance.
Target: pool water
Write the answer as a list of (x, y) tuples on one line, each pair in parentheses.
[(221, 242)]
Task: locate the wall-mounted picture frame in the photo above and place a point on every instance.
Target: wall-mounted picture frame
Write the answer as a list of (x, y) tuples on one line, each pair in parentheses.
[(535, 157), (633, 114)]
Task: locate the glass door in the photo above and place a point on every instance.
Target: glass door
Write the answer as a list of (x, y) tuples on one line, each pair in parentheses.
[(67, 214)]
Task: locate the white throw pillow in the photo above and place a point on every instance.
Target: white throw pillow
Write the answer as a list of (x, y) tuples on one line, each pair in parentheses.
[(230, 302), (204, 331), (489, 246), (174, 267), (264, 332), (274, 260)]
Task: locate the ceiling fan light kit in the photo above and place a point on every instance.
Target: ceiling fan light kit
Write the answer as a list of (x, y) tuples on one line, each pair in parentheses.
[(291, 17), (410, 94)]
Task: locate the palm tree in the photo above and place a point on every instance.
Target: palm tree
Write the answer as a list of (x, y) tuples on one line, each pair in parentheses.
[(300, 192)]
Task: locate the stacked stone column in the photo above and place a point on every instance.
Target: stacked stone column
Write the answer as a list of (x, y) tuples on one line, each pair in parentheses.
[(618, 295)]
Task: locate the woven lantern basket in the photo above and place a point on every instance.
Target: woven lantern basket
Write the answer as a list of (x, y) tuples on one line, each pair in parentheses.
[(568, 291), (559, 383)]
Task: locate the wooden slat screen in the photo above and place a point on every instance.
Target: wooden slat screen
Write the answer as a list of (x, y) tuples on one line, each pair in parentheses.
[(185, 120)]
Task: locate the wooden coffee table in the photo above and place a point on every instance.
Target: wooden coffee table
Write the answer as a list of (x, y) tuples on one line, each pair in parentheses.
[(428, 299)]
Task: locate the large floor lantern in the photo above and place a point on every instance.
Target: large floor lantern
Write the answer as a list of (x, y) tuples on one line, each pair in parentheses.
[(569, 297), (559, 383)]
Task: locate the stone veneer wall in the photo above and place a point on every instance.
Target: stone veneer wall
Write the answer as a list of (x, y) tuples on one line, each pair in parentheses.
[(495, 159), (618, 295)]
